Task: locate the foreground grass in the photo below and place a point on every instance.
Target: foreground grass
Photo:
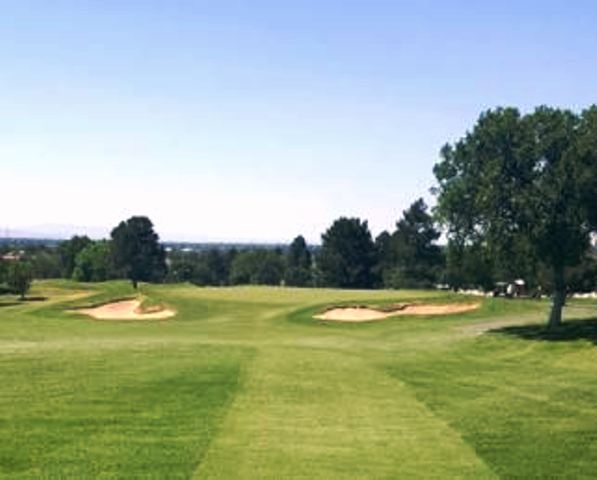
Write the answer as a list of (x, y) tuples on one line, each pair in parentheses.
[(243, 383), (107, 413)]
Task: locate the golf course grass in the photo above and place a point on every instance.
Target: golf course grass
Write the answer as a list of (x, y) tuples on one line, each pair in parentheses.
[(243, 383)]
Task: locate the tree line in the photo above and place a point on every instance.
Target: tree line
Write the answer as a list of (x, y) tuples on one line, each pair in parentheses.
[(348, 257), (132, 252)]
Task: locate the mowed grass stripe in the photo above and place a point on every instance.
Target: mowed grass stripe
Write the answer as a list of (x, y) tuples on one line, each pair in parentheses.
[(307, 413), (527, 411), (146, 413)]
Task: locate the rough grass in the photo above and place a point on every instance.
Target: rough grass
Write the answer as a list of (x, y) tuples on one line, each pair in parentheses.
[(244, 384)]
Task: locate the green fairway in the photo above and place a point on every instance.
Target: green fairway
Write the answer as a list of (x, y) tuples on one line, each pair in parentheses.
[(243, 384)]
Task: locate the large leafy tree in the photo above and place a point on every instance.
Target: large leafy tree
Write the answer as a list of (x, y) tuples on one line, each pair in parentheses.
[(472, 264), (524, 180), (413, 258), (137, 252), (298, 263), (348, 255)]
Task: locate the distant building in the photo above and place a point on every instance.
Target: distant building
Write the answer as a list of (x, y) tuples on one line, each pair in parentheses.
[(13, 256)]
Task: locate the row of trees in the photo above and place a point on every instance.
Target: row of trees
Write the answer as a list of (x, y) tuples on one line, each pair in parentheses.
[(258, 266), (133, 252), (347, 258), (406, 258)]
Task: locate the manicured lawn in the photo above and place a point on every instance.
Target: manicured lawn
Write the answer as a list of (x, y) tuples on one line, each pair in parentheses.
[(244, 384)]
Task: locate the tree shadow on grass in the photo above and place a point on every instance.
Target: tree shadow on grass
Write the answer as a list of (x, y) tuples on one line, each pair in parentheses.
[(9, 303), (569, 331), (12, 303), (35, 299)]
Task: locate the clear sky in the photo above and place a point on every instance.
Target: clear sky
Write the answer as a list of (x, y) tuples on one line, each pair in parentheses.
[(260, 120)]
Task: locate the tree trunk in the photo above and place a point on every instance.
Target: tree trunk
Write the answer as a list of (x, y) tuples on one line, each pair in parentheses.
[(559, 298), (134, 280), (555, 317)]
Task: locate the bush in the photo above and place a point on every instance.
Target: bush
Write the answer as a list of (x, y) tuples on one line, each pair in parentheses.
[(19, 277)]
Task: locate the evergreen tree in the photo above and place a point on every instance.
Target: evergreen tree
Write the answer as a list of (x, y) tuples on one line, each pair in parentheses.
[(298, 264), (348, 256), (414, 259), (137, 252)]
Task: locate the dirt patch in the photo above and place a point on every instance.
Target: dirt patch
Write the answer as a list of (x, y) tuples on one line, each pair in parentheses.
[(127, 310), (366, 314)]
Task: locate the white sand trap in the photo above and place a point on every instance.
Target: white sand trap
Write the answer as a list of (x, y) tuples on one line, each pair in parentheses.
[(126, 310), (365, 314)]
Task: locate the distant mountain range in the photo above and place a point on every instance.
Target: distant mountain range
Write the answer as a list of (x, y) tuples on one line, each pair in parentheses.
[(54, 232), (18, 243)]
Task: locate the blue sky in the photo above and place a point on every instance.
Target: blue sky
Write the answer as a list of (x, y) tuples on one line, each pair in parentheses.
[(260, 120)]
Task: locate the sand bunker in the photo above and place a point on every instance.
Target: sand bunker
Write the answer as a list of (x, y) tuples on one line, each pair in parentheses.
[(366, 314), (127, 310)]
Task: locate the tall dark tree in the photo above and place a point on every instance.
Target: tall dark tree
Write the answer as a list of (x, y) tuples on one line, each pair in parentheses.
[(384, 255), (524, 179), (137, 252), (298, 263), (347, 256), (68, 251), (415, 258)]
